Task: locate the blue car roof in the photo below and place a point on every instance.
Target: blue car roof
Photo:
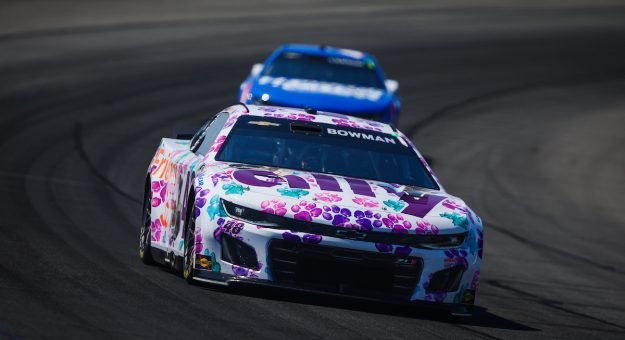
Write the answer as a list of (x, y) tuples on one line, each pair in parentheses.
[(323, 50)]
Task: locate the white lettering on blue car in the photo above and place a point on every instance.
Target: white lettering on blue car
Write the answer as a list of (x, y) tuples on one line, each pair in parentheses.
[(313, 86)]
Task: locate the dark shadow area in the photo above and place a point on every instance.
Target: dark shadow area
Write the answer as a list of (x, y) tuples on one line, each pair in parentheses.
[(481, 316)]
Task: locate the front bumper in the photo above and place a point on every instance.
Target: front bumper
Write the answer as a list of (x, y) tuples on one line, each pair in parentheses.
[(321, 272)]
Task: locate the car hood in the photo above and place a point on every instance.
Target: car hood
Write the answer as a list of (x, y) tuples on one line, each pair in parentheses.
[(322, 96), (341, 201)]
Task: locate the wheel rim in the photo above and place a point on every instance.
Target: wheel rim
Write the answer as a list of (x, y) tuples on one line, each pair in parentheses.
[(144, 235), (189, 248)]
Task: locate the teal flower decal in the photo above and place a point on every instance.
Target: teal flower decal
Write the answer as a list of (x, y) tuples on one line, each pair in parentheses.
[(297, 193), (216, 265), (395, 205), (457, 219), (234, 189), (214, 208)]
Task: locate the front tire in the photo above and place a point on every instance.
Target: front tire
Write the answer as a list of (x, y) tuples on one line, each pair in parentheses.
[(145, 233), (189, 247)]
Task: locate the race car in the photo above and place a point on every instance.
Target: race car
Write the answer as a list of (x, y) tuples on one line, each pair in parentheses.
[(323, 78), (310, 201)]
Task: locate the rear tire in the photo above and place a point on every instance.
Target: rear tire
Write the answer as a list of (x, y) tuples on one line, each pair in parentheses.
[(145, 233)]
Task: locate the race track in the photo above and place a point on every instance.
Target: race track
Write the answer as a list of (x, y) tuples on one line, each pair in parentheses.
[(521, 106)]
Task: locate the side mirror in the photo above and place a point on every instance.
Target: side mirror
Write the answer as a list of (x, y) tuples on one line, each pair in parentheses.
[(256, 70), (183, 132), (391, 85), (184, 135)]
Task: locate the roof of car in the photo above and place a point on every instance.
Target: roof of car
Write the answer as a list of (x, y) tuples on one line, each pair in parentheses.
[(324, 50), (331, 118)]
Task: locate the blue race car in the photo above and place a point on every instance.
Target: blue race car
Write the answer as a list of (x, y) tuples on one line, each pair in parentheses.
[(325, 79)]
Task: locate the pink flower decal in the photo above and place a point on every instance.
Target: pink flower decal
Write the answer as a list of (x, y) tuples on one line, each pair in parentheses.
[(274, 206), (366, 202), (425, 228), (198, 239), (328, 197), (217, 145), (449, 204), (292, 115), (306, 211), (354, 124), (155, 228)]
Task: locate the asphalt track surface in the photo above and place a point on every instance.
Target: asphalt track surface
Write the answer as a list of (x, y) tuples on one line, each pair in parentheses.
[(520, 105)]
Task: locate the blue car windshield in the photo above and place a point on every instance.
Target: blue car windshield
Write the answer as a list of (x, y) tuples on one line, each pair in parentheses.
[(323, 68), (324, 148)]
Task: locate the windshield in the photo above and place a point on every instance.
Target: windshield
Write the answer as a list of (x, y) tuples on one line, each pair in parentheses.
[(324, 148), (327, 69)]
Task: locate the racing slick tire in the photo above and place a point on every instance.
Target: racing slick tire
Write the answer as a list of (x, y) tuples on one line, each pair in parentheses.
[(145, 233), (188, 261)]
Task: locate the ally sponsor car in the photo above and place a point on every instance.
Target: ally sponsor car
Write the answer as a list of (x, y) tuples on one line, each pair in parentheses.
[(320, 202)]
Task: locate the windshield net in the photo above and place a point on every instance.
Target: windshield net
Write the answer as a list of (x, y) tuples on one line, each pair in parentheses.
[(324, 148), (327, 69)]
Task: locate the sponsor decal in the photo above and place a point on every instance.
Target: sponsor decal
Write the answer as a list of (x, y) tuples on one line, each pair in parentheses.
[(412, 204), (346, 61), (314, 86), (205, 263), (361, 135)]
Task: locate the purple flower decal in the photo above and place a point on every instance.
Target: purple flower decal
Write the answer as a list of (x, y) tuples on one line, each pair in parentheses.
[(291, 237), (456, 257), (403, 251), (312, 239), (339, 220), (384, 248), (303, 215)]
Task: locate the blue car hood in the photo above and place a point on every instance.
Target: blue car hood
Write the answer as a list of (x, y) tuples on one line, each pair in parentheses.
[(322, 96)]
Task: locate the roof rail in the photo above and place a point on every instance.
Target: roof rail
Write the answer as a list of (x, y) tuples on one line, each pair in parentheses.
[(245, 106)]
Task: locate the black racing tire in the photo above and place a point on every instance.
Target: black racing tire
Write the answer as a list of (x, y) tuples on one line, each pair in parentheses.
[(188, 260), (145, 233)]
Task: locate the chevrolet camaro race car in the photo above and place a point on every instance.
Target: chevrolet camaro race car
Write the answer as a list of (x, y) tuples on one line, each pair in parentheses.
[(323, 78), (310, 201)]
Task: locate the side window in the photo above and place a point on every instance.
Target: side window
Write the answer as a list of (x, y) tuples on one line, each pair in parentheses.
[(210, 134), (199, 136)]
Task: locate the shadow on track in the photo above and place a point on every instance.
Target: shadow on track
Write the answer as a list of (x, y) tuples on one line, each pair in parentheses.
[(481, 316)]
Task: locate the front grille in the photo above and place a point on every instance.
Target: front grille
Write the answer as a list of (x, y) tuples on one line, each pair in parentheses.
[(345, 271)]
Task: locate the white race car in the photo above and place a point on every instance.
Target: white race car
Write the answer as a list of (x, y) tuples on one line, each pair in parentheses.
[(309, 201)]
